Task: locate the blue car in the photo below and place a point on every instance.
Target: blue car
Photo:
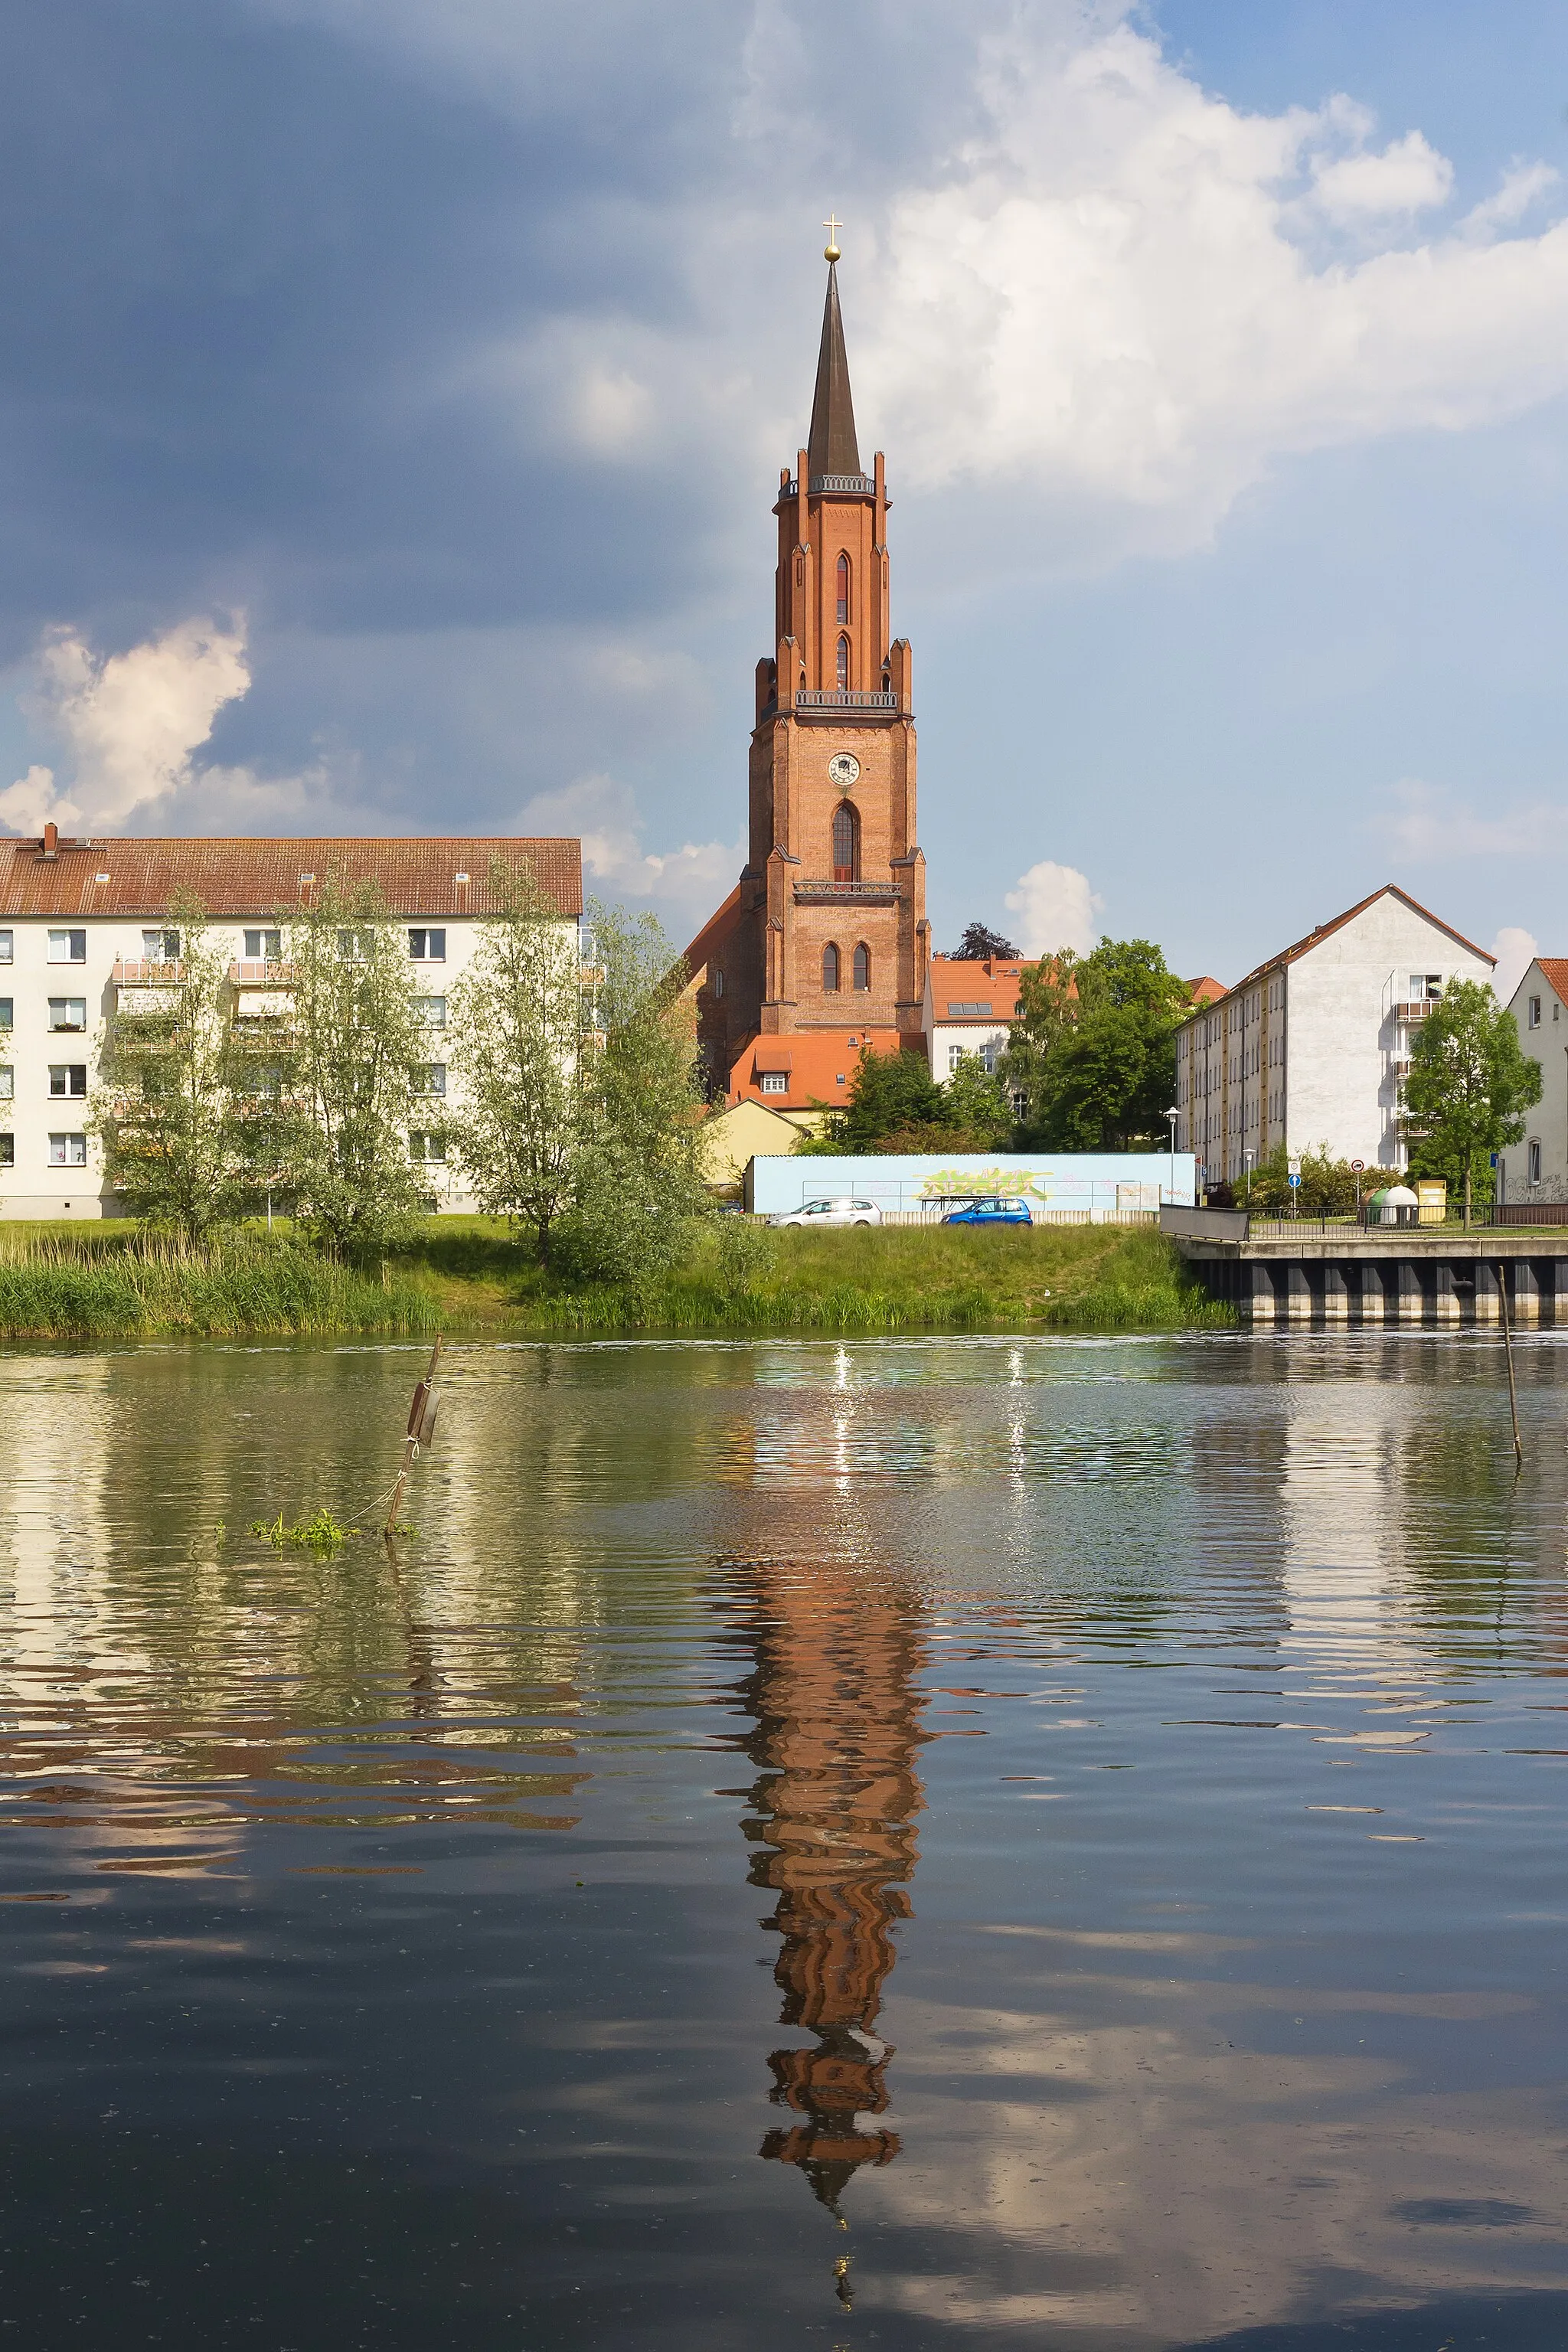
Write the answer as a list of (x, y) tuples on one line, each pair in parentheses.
[(990, 1209)]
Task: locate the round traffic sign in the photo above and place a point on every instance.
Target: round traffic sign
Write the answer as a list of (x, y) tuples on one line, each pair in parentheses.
[(1358, 1167)]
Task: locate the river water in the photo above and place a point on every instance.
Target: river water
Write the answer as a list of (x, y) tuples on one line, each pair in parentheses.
[(916, 1843)]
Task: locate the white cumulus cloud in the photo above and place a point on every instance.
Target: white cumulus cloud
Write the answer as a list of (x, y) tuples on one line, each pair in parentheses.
[(1054, 908), (1111, 293), (129, 722), (683, 885), (1409, 177), (1515, 950)]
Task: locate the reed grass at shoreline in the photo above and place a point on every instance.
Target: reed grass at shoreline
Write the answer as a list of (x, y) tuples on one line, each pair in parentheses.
[(111, 1281)]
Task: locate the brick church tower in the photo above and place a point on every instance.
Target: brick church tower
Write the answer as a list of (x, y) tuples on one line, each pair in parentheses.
[(827, 929)]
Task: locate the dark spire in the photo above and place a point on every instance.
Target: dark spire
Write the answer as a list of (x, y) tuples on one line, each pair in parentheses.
[(831, 445)]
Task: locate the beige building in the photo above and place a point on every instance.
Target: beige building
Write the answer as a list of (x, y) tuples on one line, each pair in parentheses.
[(1536, 1168), (1310, 1050)]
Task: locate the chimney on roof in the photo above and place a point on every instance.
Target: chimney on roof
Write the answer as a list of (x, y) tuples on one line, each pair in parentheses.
[(51, 839)]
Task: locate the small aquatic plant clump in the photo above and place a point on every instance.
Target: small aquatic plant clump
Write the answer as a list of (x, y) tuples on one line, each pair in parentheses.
[(321, 1533)]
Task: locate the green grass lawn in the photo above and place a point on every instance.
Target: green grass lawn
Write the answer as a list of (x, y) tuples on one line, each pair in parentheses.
[(1097, 1277), (467, 1274)]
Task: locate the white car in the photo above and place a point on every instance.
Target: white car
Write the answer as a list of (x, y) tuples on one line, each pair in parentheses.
[(830, 1213)]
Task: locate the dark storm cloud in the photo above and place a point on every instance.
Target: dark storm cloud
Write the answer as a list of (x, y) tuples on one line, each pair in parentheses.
[(250, 253)]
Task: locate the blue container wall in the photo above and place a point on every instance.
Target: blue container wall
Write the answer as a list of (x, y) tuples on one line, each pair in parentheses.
[(1105, 1184)]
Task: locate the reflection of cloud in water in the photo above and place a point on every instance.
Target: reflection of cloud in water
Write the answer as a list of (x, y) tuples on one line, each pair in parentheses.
[(1110, 2161)]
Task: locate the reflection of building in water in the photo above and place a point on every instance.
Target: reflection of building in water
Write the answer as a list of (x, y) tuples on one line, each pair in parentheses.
[(834, 1696)]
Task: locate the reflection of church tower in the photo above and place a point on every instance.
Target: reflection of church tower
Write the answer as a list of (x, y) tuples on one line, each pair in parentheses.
[(834, 1696), (826, 928)]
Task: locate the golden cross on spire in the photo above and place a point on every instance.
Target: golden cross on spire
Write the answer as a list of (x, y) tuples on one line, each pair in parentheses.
[(832, 225)]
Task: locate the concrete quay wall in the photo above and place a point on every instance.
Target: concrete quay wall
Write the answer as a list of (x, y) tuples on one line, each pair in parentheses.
[(1398, 1276)]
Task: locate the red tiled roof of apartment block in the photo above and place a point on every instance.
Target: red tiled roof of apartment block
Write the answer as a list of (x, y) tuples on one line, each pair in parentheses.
[(1205, 990), (1325, 930), (1557, 970), (417, 875), (818, 1066)]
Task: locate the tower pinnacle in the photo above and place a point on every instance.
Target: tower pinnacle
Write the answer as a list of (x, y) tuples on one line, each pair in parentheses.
[(831, 445)]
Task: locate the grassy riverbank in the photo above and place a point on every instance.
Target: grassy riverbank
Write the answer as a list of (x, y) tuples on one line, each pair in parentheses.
[(466, 1274), (1099, 1277)]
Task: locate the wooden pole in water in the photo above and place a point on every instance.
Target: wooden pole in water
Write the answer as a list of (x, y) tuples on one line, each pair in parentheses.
[(421, 1418), (1508, 1350)]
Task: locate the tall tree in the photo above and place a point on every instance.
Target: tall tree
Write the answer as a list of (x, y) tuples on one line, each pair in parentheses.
[(639, 1183), (979, 941), (1470, 1083), (360, 1027), (174, 1140), (1093, 1048), (517, 1023)]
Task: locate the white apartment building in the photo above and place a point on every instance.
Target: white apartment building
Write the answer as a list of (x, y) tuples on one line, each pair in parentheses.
[(968, 1007), (87, 928), (1312, 1049), (1536, 1168)]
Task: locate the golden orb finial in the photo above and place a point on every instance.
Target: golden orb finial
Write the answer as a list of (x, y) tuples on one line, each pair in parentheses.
[(832, 225)]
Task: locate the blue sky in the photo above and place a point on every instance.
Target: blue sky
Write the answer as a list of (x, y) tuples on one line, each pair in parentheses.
[(392, 393)]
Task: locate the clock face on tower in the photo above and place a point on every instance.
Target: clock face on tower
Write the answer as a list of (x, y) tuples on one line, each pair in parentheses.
[(843, 769)]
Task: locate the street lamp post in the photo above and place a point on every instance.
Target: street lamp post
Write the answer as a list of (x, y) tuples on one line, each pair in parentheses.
[(1172, 1116), (1246, 1174)]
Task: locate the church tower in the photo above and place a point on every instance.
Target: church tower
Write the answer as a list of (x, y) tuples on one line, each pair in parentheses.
[(827, 930)]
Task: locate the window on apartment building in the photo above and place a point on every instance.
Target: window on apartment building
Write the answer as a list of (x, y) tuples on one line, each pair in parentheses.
[(862, 967), (842, 616), (428, 1078), (68, 1150), (7, 947), (160, 946), (427, 946), (1534, 1175), (830, 970), (5, 1012), (354, 947), (67, 1014), (7, 1151), (1020, 1100), (68, 1078), (776, 1082), (7, 1081), (67, 947), (263, 946), (427, 1143), (1534, 1012), (432, 1011), (954, 1056), (1426, 987)]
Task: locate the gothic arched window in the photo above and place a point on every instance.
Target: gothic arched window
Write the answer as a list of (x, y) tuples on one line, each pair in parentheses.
[(846, 844), (843, 662), (830, 970), (862, 966), (843, 614)]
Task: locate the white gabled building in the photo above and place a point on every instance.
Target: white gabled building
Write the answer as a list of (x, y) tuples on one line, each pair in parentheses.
[(968, 1008), (1311, 1048), (87, 927), (1536, 1168)]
